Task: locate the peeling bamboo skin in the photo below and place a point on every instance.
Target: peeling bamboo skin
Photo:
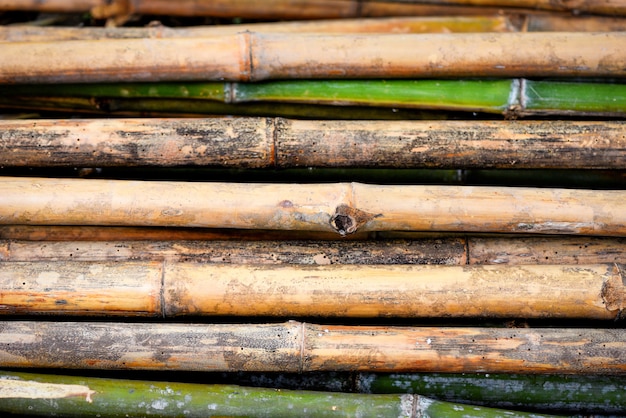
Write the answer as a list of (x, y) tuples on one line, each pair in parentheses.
[(256, 57), (342, 207), (283, 143), (145, 289), (283, 347)]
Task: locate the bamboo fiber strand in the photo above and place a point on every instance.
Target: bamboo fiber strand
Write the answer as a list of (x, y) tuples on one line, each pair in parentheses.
[(343, 207), (172, 289), (284, 143), (303, 347), (254, 57)]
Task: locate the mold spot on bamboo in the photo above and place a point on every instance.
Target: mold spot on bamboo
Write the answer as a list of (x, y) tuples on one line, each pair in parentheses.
[(346, 220)]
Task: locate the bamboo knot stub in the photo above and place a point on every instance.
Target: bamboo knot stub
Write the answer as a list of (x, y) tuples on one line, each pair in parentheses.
[(614, 290), (347, 220)]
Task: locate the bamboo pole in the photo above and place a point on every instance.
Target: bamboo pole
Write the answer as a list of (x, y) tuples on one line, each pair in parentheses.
[(342, 207), (280, 143), (65, 233), (28, 393), (266, 249), (511, 97), (608, 7), (435, 24), (255, 57), (442, 250), (302, 347), (251, 9), (151, 288)]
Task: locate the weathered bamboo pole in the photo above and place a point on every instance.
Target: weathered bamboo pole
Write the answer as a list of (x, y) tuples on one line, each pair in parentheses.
[(252, 9), (284, 143), (65, 233), (302, 347), (254, 57), (442, 250), (265, 249), (446, 24), (28, 393), (151, 288), (609, 7), (342, 207)]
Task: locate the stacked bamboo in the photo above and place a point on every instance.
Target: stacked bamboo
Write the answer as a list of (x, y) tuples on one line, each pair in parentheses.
[(314, 217)]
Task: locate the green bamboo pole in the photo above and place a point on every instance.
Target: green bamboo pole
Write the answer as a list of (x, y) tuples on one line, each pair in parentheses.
[(580, 393), (38, 394), (518, 96)]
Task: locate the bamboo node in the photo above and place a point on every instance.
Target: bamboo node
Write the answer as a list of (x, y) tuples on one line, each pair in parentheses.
[(347, 220)]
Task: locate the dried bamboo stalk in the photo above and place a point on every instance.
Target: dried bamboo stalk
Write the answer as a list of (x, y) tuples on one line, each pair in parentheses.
[(283, 143), (424, 251), (151, 288), (342, 207), (444, 24), (254, 57), (111, 233), (302, 347), (266, 250), (608, 7), (251, 9)]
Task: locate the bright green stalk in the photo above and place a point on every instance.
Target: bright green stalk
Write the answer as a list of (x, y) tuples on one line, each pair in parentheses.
[(546, 96), (36, 394), (492, 96), (601, 394)]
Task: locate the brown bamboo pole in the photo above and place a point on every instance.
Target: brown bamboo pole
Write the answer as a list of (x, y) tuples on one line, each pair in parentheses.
[(551, 23), (259, 249), (65, 233), (254, 57), (545, 250), (342, 207), (250, 9), (302, 347), (608, 7), (170, 289), (434, 24), (441, 250), (284, 143)]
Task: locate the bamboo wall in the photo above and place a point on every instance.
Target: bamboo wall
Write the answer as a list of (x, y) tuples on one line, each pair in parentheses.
[(312, 208)]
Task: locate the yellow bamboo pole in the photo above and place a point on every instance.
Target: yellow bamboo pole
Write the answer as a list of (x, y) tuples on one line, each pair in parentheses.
[(150, 288), (342, 207), (302, 347), (608, 7), (254, 57), (435, 24)]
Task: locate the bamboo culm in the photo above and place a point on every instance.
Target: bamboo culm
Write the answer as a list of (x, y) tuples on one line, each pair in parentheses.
[(292, 143), (134, 288), (27, 393), (257, 57), (302, 347), (344, 208)]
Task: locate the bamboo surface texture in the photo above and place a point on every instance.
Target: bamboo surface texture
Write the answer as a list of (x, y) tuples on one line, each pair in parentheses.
[(254, 57), (285, 143), (341, 207), (170, 289), (302, 347)]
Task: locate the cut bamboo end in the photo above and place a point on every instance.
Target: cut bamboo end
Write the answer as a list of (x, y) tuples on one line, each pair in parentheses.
[(409, 291), (342, 207), (302, 347)]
